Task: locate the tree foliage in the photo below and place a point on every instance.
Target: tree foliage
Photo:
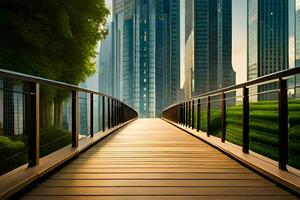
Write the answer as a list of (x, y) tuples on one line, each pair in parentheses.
[(55, 39)]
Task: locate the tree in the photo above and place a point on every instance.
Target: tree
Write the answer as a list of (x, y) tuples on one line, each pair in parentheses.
[(54, 39)]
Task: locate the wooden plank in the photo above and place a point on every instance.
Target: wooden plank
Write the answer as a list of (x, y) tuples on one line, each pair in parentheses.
[(149, 176), (100, 191), (152, 183), (155, 170), (160, 197), (151, 159)]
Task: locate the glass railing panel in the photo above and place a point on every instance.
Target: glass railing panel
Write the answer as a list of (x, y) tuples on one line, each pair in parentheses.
[(234, 117), (84, 115), (55, 119), (263, 121), (294, 122), (13, 130), (97, 113), (203, 123), (216, 116)]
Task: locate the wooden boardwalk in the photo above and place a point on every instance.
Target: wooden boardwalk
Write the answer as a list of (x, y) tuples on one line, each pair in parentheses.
[(151, 159)]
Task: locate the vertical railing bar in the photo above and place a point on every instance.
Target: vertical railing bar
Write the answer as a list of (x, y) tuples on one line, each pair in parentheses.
[(92, 114), (75, 119), (246, 120), (108, 113), (208, 116), (185, 111), (34, 137), (283, 125), (198, 115), (189, 114), (103, 113), (181, 113), (193, 114), (112, 115), (223, 117)]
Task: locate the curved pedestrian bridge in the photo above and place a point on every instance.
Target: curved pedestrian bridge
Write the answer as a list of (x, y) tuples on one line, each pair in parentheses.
[(152, 159)]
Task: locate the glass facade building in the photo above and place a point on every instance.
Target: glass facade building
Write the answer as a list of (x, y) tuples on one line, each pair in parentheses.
[(213, 45), (267, 37), (297, 34), (144, 54), (267, 40)]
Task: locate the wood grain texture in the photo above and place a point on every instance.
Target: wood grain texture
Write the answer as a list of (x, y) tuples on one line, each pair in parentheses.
[(151, 159)]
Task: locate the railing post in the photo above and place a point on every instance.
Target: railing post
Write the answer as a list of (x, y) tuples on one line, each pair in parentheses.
[(246, 120), (92, 115), (112, 112), (103, 113), (223, 117), (34, 126), (193, 114), (181, 113), (198, 115), (108, 113), (75, 119), (117, 112), (283, 124), (185, 113), (208, 117), (189, 116), (122, 114)]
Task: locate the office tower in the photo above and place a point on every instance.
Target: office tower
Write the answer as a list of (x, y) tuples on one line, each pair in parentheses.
[(105, 64), (189, 49), (267, 40), (147, 63), (171, 48), (117, 47), (213, 45), (146, 53), (128, 51), (297, 33)]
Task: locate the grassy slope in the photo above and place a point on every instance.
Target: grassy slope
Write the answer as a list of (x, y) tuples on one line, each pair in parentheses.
[(263, 128)]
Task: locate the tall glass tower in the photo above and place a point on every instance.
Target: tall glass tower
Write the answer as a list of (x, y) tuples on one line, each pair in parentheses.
[(146, 53), (297, 28), (213, 45), (267, 40), (117, 47)]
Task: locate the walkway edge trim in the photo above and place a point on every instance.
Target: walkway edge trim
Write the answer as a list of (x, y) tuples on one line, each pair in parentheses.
[(256, 162), (18, 179)]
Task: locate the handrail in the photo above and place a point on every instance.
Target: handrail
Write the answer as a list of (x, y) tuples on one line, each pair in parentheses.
[(183, 112), (262, 79), (117, 111), (36, 79)]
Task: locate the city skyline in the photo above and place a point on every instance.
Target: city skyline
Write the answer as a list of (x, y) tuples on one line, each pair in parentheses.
[(239, 33), (223, 69)]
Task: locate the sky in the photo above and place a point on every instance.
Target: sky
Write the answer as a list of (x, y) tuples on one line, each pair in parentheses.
[(239, 36)]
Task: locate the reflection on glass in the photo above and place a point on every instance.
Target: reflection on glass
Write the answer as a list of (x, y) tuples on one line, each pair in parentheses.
[(13, 132), (55, 119)]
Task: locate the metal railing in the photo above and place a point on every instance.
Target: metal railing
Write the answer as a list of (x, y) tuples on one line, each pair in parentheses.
[(184, 112), (114, 112)]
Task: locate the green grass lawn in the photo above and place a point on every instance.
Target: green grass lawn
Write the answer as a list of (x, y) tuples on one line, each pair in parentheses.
[(263, 128), (14, 149)]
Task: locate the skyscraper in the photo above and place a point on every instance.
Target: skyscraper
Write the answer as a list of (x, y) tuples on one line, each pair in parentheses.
[(105, 64), (297, 28), (267, 40), (189, 49), (128, 51), (144, 55), (171, 29), (117, 47), (213, 45)]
